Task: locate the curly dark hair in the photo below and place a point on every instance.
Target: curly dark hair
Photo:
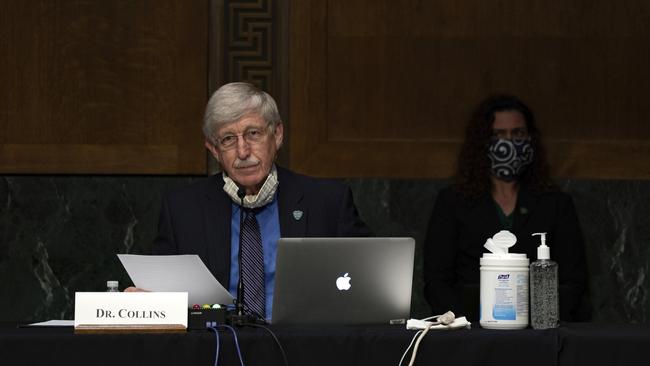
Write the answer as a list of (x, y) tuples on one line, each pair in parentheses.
[(472, 178)]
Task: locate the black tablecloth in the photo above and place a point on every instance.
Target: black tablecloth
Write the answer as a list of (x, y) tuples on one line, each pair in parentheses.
[(572, 344), (610, 344)]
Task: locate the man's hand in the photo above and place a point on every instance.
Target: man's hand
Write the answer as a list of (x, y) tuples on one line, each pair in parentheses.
[(134, 289)]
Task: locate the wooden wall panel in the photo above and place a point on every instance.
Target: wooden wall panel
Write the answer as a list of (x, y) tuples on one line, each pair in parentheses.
[(384, 88), (103, 87), (248, 43)]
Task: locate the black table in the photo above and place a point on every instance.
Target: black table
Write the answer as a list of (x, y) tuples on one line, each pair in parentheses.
[(604, 344), (571, 344)]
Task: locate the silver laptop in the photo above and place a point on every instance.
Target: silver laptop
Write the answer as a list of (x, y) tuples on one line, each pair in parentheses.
[(343, 280)]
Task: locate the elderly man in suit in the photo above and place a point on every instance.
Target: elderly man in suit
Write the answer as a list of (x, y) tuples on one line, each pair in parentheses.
[(243, 132)]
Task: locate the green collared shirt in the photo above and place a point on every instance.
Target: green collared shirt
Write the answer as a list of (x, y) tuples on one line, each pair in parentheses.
[(506, 222)]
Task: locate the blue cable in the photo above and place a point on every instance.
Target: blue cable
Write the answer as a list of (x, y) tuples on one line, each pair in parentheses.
[(234, 333), (216, 354)]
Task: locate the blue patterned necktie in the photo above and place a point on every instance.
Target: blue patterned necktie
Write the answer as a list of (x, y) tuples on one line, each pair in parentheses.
[(253, 267)]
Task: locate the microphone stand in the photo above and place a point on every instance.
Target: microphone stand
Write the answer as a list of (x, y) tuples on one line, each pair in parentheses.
[(239, 318)]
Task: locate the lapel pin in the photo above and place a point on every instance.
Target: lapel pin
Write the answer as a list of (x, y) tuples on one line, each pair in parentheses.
[(297, 214), (523, 210)]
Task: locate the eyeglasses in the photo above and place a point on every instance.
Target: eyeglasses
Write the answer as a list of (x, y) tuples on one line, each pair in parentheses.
[(252, 135)]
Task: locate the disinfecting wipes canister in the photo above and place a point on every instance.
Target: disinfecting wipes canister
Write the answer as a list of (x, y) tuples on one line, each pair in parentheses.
[(504, 291)]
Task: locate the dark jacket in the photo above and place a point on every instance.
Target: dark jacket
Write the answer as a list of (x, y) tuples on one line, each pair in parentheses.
[(196, 219), (458, 229)]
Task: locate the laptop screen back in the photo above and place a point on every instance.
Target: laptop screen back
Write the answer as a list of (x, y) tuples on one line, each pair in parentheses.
[(343, 280)]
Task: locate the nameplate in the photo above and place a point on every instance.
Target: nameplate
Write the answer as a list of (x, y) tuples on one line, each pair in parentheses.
[(130, 312)]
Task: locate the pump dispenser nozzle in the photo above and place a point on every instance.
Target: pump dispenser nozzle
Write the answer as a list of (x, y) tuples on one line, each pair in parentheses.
[(543, 251)]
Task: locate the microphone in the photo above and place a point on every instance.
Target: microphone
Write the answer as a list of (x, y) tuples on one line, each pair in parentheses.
[(239, 307), (239, 318), (241, 193)]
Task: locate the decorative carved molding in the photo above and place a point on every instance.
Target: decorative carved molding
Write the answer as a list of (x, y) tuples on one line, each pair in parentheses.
[(250, 42)]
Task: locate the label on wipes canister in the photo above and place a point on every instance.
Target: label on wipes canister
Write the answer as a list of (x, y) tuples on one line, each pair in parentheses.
[(504, 299), (508, 299), (504, 292)]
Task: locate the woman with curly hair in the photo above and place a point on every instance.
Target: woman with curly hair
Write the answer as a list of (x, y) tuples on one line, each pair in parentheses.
[(502, 183)]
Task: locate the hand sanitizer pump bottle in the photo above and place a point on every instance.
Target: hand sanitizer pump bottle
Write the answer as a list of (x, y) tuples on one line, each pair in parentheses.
[(544, 302)]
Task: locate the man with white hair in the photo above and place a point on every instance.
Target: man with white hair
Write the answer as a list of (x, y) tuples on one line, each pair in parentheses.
[(243, 132)]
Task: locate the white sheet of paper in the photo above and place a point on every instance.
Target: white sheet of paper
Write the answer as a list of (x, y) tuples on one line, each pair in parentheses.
[(176, 273), (54, 323)]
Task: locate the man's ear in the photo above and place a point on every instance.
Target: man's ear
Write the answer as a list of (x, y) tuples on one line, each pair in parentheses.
[(278, 135), (216, 154)]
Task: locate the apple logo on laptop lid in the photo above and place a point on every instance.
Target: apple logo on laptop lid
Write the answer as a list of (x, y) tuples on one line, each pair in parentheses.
[(343, 282)]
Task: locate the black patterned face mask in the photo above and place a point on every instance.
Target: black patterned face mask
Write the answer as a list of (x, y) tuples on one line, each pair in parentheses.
[(510, 157)]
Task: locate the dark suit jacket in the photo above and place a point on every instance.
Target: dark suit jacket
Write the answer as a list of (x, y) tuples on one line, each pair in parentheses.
[(196, 219), (458, 229)]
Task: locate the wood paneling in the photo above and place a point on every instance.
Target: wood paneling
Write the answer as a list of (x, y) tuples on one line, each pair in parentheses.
[(384, 88), (103, 86), (248, 43), (370, 88)]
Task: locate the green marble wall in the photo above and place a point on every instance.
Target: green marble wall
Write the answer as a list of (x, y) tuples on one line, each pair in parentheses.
[(60, 234)]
